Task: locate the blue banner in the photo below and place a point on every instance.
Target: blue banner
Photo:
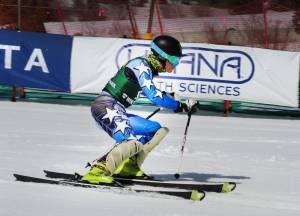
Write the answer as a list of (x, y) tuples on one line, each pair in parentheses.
[(35, 60)]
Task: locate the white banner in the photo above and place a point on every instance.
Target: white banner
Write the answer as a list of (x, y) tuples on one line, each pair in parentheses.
[(206, 71)]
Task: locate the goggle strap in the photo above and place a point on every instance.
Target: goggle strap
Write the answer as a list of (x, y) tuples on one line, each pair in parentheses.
[(174, 60)]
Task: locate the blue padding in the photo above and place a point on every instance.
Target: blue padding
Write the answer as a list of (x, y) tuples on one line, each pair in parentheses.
[(35, 60)]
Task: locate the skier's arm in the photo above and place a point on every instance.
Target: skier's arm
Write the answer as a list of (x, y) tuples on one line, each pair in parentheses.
[(143, 74)]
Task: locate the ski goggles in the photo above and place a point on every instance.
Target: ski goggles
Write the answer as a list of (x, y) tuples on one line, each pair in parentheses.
[(174, 60)]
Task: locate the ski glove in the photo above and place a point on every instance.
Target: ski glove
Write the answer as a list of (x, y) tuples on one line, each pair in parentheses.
[(183, 107)]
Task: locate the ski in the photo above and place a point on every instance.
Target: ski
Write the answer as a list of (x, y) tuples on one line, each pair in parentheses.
[(118, 187), (214, 187)]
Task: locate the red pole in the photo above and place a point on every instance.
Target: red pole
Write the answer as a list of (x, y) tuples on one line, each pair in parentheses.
[(22, 92), (159, 17), (226, 108), (150, 19), (225, 22), (266, 27), (227, 102), (149, 35), (61, 16)]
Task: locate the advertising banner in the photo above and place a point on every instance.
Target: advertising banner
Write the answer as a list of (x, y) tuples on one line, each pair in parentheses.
[(35, 60), (206, 71)]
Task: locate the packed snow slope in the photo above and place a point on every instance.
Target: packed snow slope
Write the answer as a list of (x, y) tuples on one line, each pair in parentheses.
[(261, 155)]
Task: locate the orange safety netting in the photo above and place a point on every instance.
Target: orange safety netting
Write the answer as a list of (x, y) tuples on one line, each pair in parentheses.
[(257, 24)]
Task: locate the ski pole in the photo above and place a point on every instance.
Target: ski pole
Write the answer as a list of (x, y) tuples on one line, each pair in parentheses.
[(190, 112), (153, 113), (177, 175)]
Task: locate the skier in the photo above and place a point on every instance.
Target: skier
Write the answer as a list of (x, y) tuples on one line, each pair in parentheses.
[(109, 111)]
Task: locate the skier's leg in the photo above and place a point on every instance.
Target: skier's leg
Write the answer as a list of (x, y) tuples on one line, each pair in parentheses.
[(112, 117), (120, 153), (103, 169), (143, 127), (152, 133)]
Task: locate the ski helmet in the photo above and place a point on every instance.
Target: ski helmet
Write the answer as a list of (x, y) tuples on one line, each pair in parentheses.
[(167, 48)]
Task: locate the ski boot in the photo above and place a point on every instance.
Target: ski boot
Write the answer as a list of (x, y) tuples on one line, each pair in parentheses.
[(98, 175), (130, 169)]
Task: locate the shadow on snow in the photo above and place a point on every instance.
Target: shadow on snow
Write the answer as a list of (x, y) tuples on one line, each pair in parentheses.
[(202, 177)]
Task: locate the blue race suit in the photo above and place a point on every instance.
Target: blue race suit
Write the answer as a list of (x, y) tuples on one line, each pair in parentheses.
[(112, 116)]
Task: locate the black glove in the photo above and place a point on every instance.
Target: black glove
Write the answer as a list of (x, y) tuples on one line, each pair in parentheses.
[(183, 107)]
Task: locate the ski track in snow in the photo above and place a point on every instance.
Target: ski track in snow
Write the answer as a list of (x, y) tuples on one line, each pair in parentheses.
[(261, 155)]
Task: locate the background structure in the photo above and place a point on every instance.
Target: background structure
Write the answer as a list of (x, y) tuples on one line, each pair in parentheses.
[(269, 24)]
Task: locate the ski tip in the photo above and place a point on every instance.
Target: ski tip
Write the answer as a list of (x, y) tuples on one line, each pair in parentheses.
[(228, 187), (16, 175), (197, 195)]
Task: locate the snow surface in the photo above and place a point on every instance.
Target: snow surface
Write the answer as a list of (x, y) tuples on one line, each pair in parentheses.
[(262, 155)]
